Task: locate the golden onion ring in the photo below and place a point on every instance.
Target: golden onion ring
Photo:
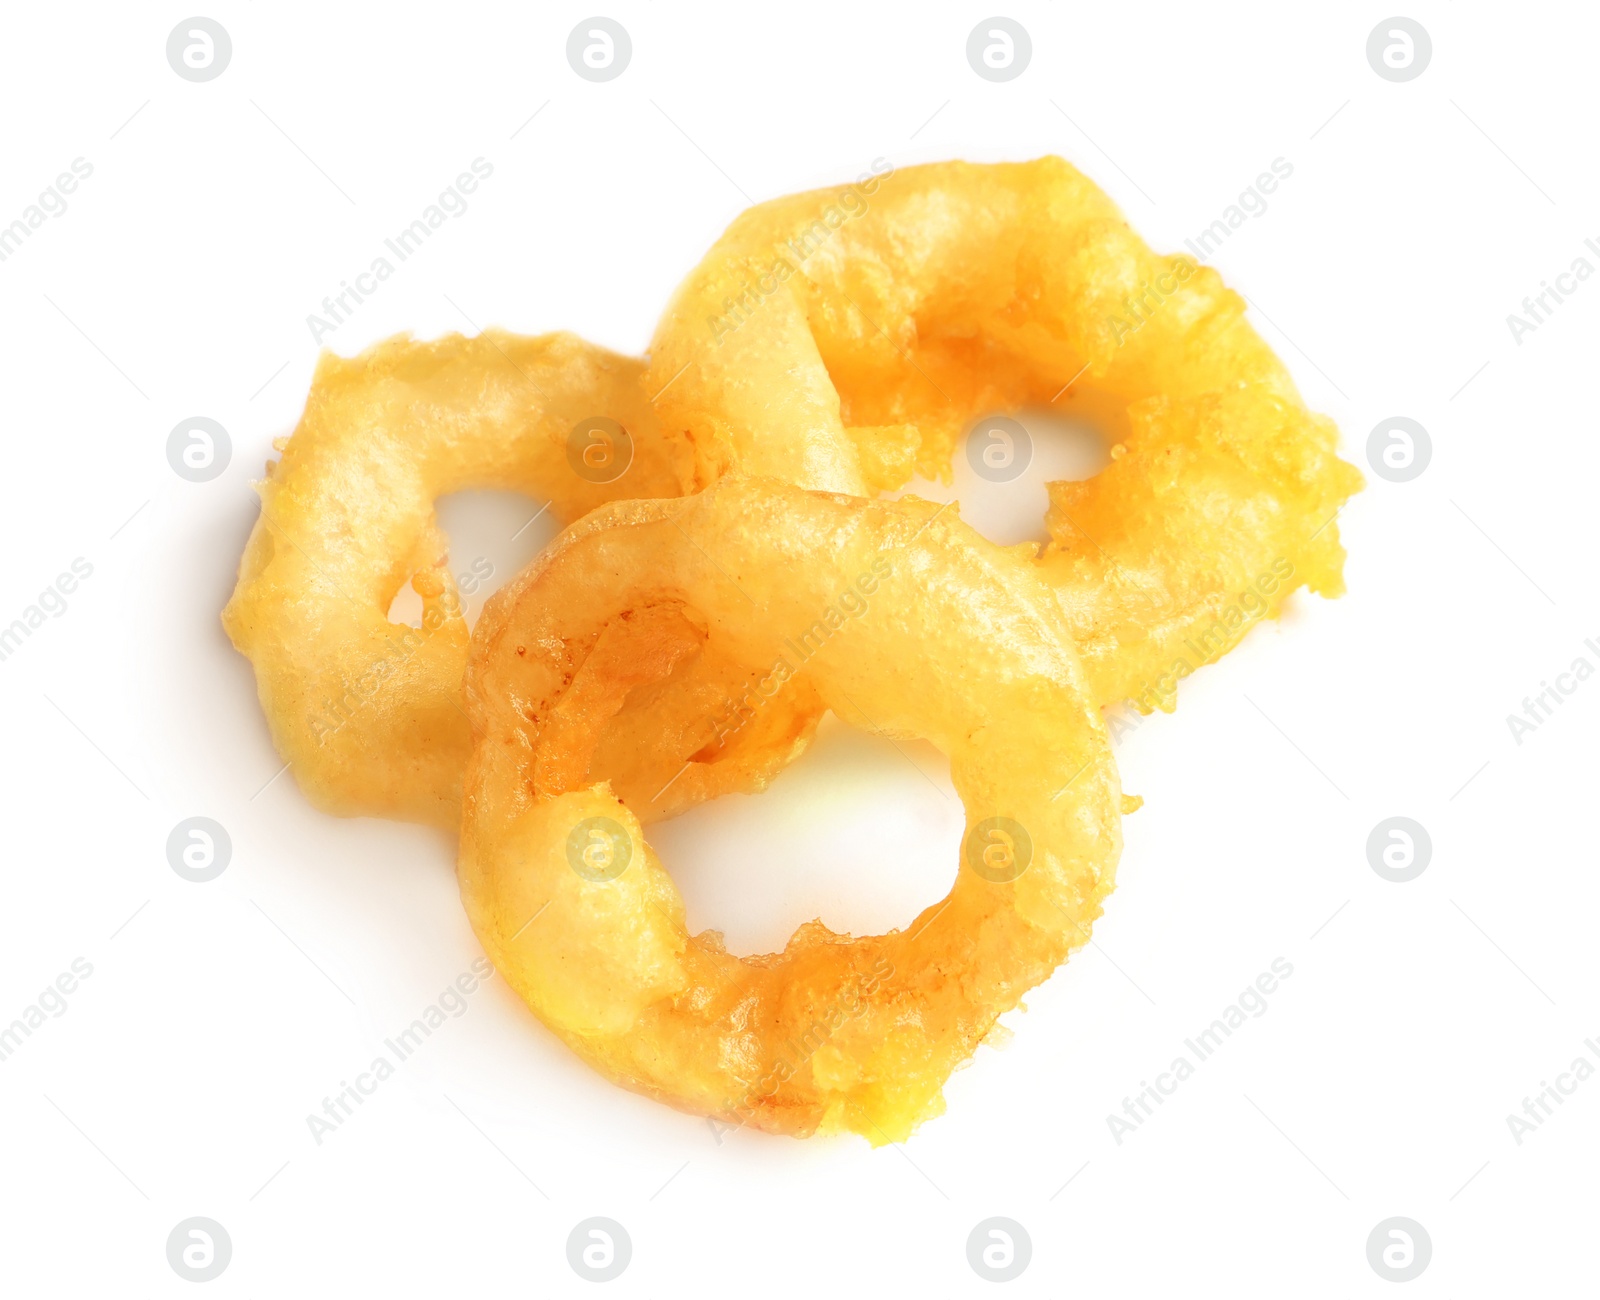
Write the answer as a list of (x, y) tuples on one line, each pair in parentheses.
[(901, 619), (842, 339), (366, 712)]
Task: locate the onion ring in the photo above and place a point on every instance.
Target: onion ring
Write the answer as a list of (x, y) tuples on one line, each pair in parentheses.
[(366, 712), (843, 338), (868, 604)]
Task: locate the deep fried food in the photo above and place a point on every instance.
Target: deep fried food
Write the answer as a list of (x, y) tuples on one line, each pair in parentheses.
[(366, 712), (901, 619), (665, 650), (842, 339)]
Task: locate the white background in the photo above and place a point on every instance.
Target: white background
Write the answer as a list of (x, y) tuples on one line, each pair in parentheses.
[(218, 1016)]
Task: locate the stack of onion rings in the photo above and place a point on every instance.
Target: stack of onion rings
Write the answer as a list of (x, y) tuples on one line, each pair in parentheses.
[(844, 338), (367, 712), (735, 580)]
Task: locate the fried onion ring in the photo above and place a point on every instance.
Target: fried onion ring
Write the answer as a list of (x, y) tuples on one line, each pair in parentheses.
[(366, 712), (843, 338), (900, 618)]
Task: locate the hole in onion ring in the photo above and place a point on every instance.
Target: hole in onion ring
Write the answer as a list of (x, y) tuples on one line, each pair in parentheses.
[(859, 833), (1002, 465), (754, 579), (493, 535)]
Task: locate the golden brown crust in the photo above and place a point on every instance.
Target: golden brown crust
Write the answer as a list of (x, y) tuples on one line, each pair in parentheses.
[(902, 620), (840, 338)]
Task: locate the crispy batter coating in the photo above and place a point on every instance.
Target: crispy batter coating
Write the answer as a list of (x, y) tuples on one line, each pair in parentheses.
[(665, 650), (843, 338), (901, 619), (367, 712)]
